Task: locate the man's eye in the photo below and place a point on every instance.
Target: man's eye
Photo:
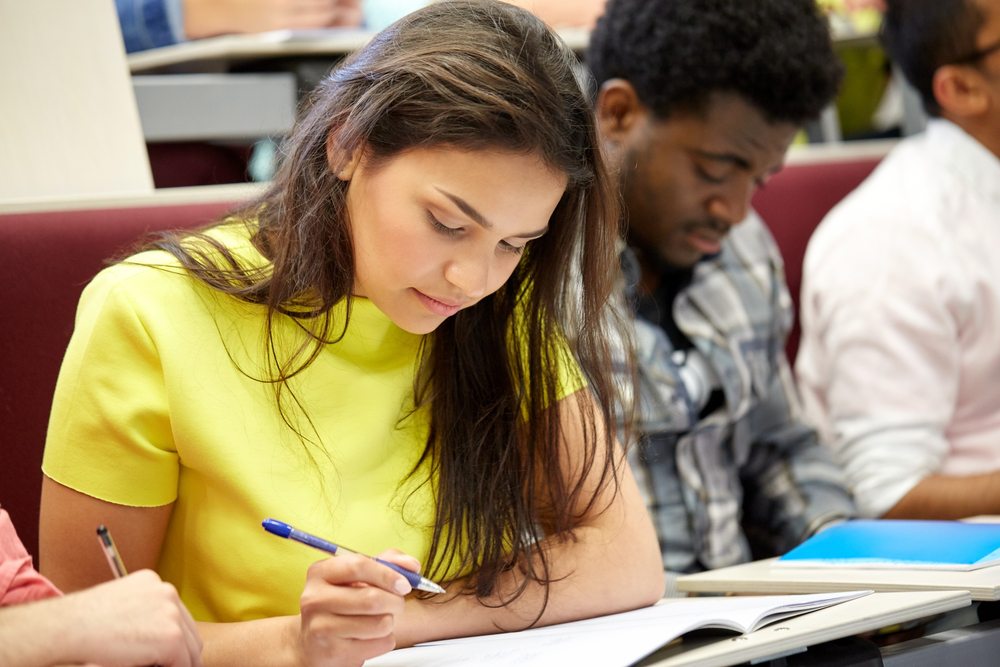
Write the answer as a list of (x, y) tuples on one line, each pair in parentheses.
[(709, 177)]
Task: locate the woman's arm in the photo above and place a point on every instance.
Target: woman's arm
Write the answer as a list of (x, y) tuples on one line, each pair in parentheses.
[(349, 610), (611, 563), (349, 605), (68, 551)]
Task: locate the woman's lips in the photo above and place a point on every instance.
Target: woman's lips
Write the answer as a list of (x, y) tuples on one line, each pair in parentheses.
[(438, 307)]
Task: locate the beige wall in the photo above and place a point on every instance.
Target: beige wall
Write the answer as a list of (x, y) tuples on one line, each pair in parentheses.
[(68, 119)]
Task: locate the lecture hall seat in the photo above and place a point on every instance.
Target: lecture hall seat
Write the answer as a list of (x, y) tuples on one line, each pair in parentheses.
[(46, 259), (794, 202)]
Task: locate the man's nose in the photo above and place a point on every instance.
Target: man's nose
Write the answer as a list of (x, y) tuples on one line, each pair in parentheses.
[(732, 204)]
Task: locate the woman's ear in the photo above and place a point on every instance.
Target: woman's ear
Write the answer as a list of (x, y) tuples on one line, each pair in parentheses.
[(344, 169)]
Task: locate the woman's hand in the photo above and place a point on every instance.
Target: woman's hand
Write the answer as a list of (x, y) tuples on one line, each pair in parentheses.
[(349, 608)]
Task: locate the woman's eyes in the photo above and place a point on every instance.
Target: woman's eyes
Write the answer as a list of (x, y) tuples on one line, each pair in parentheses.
[(513, 249), (455, 231), (441, 227)]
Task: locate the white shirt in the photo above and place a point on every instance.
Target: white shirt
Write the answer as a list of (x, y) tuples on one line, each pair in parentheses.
[(899, 364)]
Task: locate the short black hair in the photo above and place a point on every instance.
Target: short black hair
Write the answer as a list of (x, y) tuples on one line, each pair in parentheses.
[(922, 35), (776, 54)]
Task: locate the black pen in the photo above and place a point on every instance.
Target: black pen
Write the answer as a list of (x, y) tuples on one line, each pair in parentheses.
[(111, 552), (282, 529)]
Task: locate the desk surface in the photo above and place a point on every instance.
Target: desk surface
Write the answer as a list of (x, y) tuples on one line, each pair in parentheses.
[(792, 635), (763, 577), (279, 44), (201, 194), (327, 42)]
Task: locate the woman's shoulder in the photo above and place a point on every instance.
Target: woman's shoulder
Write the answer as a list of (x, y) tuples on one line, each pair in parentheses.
[(155, 275)]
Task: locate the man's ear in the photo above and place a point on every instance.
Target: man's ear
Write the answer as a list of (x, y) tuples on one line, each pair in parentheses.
[(960, 91), (618, 109), (344, 169)]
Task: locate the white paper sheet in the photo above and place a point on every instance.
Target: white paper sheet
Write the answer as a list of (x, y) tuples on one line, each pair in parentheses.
[(608, 641)]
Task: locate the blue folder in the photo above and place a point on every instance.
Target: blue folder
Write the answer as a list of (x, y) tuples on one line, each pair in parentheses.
[(954, 545)]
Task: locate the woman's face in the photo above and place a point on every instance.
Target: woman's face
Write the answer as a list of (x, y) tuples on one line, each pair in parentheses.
[(436, 230)]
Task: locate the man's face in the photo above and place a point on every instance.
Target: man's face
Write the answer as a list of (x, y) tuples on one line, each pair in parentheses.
[(687, 179), (987, 41)]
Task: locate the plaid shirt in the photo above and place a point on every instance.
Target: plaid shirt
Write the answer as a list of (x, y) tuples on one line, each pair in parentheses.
[(749, 479)]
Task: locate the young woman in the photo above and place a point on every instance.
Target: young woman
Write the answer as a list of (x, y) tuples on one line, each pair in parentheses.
[(377, 352)]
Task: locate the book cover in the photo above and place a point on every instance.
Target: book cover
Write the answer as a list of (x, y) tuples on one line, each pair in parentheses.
[(899, 543)]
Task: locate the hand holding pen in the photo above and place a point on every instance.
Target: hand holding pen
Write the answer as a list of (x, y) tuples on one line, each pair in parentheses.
[(282, 529), (137, 619), (341, 620)]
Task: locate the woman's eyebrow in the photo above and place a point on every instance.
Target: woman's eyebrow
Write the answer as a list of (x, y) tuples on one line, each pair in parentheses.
[(467, 209), (481, 220)]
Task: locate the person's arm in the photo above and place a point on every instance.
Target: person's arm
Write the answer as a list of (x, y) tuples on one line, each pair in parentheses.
[(880, 365), (340, 618), (793, 487), (949, 497), (148, 24), (610, 563), (205, 18), (137, 620), (560, 13)]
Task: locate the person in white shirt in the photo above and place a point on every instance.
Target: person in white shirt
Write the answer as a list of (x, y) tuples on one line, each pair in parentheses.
[(900, 358)]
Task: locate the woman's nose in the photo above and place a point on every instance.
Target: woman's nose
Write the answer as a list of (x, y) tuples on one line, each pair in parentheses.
[(470, 275)]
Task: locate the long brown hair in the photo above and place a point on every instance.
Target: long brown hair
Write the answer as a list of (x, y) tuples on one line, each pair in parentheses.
[(468, 75)]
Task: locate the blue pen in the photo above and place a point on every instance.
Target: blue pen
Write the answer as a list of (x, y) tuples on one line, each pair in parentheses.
[(282, 529)]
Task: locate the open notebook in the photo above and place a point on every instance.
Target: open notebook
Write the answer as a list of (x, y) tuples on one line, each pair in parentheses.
[(616, 639)]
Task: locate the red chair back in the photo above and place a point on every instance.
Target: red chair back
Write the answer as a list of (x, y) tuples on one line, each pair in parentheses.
[(793, 204), (46, 259)]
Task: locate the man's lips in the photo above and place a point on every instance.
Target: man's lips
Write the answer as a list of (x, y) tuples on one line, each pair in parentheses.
[(706, 240)]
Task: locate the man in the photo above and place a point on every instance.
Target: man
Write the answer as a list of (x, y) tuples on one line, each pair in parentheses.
[(900, 360), (698, 102)]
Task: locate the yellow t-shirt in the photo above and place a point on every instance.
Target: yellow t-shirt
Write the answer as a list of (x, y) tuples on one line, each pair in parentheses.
[(158, 401)]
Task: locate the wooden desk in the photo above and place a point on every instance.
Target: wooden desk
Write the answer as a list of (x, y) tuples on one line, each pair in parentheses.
[(763, 577), (223, 51), (795, 635)]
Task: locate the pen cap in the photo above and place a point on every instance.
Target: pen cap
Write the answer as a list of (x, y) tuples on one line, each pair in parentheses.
[(279, 528)]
